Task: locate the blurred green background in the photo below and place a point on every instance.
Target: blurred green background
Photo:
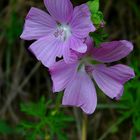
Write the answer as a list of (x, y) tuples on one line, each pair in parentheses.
[(29, 110)]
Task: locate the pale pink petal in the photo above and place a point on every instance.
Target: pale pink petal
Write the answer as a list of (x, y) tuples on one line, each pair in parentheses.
[(73, 49), (37, 24), (47, 49), (112, 51), (81, 23), (89, 45), (110, 86), (62, 74), (119, 72), (69, 55), (81, 92), (77, 44), (60, 10)]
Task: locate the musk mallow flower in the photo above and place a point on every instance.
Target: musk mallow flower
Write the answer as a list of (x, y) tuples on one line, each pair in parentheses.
[(76, 78), (59, 33)]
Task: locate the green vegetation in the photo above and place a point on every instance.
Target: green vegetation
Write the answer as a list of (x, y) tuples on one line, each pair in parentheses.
[(28, 108)]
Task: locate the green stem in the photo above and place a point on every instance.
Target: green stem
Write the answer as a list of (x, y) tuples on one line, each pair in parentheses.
[(58, 101), (112, 106), (84, 127), (120, 120)]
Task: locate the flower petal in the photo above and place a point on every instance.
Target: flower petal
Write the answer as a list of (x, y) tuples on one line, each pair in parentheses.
[(112, 51), (110, 86), (47, 49), (81, 92), (69, 55), (37, 24), (61, 11), (119, 72), (61, 74), (90, 45), (72, 48), (81, 24), (77, 45)]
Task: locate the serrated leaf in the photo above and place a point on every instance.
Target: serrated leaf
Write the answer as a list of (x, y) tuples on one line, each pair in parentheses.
[(35, 109), (49, 123)]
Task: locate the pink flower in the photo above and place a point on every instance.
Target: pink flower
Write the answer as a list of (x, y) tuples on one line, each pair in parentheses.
[(58, 33), (76, 78)]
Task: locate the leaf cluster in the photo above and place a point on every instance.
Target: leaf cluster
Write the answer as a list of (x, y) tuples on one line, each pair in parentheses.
[(96, 15), (46, 124), (131, 99)]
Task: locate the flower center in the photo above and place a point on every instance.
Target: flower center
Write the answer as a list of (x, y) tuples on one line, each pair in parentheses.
[(87, 62), (63, 32)]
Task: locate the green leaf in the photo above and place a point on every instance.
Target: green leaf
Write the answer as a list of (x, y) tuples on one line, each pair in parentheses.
[(134, 137), (96, 15), (5, 128), (99, 36), (137, 124), (35, 109), (114, 130), (93, 6), (14, 27), (45, 124), (97, 18)]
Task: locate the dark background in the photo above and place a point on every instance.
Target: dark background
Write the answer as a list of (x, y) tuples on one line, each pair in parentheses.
[(23, 80)]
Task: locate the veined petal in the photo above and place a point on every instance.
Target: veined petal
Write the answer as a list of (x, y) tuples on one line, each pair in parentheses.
[(68, 54), (62, 74), (47, 49), (81, 23), (90, 45), (81, 92), (37, 24), (61, 11), (119, 72), (77, 45), (72, 48), (112, 51), (110, 86)]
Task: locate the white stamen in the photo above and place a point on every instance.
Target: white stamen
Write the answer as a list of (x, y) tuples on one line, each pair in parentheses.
[(63, 32)]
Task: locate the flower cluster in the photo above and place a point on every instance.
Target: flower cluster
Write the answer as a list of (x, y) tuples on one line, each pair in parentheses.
[(65, 34)]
